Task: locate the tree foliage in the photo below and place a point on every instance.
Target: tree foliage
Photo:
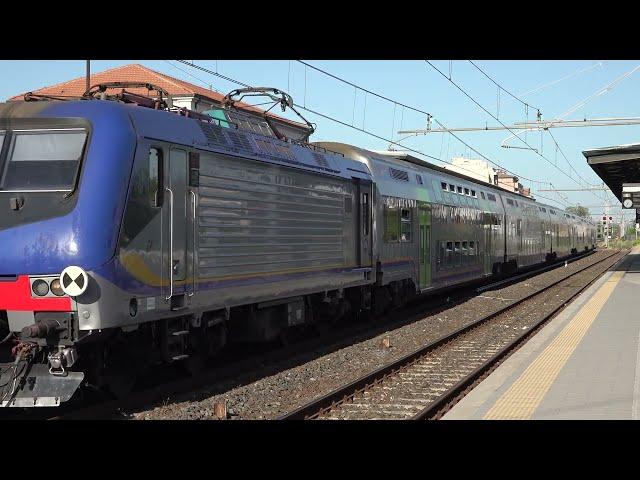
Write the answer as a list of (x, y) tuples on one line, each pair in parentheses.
[(578, 210)]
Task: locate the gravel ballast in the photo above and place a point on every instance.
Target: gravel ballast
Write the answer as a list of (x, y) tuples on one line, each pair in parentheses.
[(289, 388)]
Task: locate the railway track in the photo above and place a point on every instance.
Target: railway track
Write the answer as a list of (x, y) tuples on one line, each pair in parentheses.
[(337, 339), (428, 381)]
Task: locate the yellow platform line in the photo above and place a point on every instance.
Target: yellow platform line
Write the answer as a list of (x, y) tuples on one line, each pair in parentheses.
[(523, 397)]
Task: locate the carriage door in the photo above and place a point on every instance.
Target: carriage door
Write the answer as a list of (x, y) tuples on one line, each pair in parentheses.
[(364, 191), (176, 213), (424, 238), (488, 250)]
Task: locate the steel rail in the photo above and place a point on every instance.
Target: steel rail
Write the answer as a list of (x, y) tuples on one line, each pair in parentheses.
[(443, 403), (347, 392)]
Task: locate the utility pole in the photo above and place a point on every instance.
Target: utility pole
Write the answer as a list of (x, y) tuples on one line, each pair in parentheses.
[(88, 76)]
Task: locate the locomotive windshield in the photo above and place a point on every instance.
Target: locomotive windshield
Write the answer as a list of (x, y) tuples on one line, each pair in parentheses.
[(42, 159)]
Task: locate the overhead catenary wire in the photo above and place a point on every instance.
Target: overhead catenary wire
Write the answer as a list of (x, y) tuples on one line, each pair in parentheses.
[(500, 87), (418, 110), (327, 117), (192, 76), (554, 82), (607, 88), (499, 121), (565, 157)]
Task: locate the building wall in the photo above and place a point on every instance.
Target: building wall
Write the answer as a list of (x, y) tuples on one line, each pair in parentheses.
[(474, 168)]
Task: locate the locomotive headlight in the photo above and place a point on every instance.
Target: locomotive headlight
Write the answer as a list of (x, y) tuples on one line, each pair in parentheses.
[(40, 288), (56, 288)]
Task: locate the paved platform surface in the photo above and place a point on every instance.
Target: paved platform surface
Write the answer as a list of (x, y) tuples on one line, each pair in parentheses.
[(584, 364)]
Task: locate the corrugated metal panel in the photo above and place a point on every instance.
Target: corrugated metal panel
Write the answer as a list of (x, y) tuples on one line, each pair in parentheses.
[(256, 218)]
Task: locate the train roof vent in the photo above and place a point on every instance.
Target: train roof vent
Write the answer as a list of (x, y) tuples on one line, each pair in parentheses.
[(213, 133), (240, 140), (283, 150), (320, 160), (399, 174), (265, 146)]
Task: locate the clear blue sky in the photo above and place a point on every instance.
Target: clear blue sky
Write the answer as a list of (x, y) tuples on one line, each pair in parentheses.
[(417, 84)]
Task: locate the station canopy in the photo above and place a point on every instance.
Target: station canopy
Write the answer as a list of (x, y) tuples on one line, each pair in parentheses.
[(616, 165)]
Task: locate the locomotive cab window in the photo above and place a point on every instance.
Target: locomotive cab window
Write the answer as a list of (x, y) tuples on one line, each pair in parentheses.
[(156, 173), (43, 160)]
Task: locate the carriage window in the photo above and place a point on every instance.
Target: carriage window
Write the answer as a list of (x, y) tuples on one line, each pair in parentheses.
[(444, 185), (466, 191), (457, 253), (155, 174), (473, 194), (405, 227), (452, 188), (44, 160), (464, 252), (460, 190), (449, 253), (472, 251), (391, 224), (482, 195)]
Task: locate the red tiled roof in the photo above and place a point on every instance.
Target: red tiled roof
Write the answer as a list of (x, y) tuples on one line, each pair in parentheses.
[(139, 73)]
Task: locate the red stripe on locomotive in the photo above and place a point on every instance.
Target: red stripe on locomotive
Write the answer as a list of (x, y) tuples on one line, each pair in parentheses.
[(17, 296)]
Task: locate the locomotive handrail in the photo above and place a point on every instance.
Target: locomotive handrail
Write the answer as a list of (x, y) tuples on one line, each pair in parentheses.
[(170, 243), (193, 254)]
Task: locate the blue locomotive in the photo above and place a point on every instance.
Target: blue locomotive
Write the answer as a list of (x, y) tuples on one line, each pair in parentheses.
[(132, 236)]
